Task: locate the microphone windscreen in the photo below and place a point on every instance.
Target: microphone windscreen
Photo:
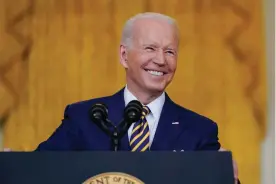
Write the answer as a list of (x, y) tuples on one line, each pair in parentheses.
[(133, 111), (98, 112)]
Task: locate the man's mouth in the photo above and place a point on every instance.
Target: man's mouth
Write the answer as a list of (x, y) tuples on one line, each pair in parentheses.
[(155, 73)]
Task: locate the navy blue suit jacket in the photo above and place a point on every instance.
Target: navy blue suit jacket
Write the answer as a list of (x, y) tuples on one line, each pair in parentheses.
[(78, 132)]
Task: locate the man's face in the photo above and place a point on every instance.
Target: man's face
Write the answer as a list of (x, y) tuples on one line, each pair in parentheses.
[(151, 60)]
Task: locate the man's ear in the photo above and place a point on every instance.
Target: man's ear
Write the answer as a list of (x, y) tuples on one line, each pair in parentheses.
[(123, 56)]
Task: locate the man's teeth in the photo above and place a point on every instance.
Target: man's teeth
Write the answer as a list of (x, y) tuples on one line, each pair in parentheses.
[(155, 73)]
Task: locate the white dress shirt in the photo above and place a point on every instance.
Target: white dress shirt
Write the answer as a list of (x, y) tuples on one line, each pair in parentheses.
[(152, 118)]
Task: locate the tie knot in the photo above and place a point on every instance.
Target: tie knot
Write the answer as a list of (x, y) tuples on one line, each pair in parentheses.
[(145, 111)]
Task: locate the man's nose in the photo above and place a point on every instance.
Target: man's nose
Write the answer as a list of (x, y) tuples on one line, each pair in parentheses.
[(160, 58)]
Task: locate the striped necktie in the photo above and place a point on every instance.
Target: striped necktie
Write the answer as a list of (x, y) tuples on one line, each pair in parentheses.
[(139, 140)]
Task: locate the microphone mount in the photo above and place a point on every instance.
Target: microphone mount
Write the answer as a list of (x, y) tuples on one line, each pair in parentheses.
[(99, 115)]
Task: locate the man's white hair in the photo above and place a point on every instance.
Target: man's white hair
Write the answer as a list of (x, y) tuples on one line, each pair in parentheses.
[(128, 27)]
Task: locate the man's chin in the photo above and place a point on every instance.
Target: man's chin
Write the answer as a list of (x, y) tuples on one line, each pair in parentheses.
[(156, 89)]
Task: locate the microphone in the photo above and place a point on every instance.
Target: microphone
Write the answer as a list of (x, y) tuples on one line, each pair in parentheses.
[(132, 113), (98, 114)]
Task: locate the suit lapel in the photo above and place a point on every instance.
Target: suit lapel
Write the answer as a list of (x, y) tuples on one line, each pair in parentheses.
[(116, 106), (169, 128)]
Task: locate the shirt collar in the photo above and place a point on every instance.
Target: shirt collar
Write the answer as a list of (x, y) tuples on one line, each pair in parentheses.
[(155, 106)]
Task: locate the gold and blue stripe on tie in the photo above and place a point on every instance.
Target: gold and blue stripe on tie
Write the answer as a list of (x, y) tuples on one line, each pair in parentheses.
[(139, 140)]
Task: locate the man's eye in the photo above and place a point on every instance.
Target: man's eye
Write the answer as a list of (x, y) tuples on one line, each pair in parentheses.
[(149, 48), (170, 52)]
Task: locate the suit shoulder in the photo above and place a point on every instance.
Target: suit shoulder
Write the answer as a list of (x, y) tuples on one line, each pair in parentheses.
[(194, 117), (90, 102), (83, 106)]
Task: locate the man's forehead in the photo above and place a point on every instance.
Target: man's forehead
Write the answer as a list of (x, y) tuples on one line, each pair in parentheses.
[(146, 25), (150, 22), (150, 29)]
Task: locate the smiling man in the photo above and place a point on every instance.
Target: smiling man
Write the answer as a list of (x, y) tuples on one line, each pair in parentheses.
[(148, 52)]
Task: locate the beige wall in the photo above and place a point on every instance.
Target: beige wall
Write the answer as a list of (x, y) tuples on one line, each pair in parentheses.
[(1, 138), (268, 146)]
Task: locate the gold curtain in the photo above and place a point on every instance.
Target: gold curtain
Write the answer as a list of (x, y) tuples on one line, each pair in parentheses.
[(55, 52)]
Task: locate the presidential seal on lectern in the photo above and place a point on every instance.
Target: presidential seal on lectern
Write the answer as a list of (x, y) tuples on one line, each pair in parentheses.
[(113, 178)]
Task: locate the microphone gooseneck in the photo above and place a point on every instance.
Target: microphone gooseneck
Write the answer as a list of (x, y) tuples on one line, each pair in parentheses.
[(98, 114), (132, 113)]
